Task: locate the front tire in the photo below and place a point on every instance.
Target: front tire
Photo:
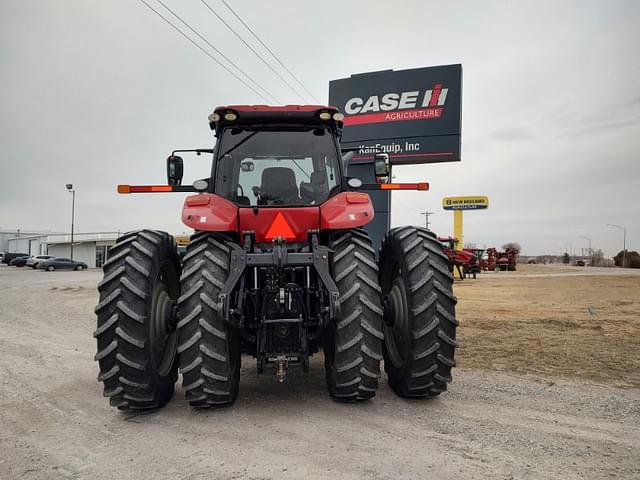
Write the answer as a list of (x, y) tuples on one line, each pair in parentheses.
[(136, 334), (353, 343), (209, 348), (50, 268), (420, 324)]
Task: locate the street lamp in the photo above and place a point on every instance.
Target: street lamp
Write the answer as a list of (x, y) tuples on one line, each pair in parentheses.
[(624, 241), (73, 209)]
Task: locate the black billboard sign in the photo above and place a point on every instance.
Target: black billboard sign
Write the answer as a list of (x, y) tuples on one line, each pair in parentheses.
[(413, 115)]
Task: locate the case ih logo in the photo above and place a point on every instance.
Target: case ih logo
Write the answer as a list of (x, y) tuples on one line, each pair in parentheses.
[(396, 107)]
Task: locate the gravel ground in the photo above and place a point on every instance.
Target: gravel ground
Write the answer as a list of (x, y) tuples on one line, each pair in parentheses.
[(55, 424)]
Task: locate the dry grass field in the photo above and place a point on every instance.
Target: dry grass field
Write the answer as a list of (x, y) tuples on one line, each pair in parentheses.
[(561, 324)]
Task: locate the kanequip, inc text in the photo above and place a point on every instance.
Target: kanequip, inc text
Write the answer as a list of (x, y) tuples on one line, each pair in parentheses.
[(390, 147)]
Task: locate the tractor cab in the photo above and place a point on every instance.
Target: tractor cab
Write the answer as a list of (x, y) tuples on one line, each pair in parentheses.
[(294, 160)]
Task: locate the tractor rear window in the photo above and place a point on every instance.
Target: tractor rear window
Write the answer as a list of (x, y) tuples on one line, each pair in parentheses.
[(270, 168)]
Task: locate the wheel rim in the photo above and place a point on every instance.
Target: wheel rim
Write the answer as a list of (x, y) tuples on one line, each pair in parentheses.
[(398, 335), (162, 336)]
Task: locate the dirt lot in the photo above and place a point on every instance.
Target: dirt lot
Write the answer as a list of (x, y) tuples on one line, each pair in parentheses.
[(491, 424), (541, 321)]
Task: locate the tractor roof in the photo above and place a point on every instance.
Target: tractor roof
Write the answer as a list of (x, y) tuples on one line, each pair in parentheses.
[(275, 115)]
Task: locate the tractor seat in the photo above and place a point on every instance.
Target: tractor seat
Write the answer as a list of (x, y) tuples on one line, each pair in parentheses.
[(278, 187)]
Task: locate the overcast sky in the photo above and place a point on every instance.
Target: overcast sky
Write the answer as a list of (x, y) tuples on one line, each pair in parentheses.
[(97, 93)]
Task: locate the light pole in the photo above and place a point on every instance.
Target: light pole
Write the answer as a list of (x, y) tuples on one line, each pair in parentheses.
[(426, 214), (589, 240), (624, 241), (73, 211)]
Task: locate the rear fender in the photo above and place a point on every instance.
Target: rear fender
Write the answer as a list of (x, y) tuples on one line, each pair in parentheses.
[(346, 210), (210, 212)]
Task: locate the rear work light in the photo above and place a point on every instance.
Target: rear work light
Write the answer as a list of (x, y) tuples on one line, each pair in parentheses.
[(325, 115), (214, 117), (230, 116)]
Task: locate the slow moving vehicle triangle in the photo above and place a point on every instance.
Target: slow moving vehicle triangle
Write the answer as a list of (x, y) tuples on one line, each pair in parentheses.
[(280, 228)]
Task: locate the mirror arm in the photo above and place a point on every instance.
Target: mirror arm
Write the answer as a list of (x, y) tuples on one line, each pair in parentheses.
[(198, 151)]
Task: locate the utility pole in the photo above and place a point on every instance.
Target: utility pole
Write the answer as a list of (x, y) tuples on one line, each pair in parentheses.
[(589, 240), (73, 210), (624, 241), (426, 220)]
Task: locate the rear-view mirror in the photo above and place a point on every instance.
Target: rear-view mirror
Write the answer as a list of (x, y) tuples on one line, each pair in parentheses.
[(381, 167), (175, 168)]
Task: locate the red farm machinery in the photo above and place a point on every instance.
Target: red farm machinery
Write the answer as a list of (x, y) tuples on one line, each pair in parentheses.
[(279, 267), (467, 262), (502, 260)]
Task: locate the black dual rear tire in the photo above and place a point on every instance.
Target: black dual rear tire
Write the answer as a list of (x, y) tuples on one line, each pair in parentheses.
[(136, 327), (420, 324), (353, 344), (209, 348)]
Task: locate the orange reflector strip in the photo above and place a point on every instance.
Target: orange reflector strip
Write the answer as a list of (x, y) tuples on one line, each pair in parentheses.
[(144, 188), (404, 186), (357, 197), (280, 228), (198, 200)]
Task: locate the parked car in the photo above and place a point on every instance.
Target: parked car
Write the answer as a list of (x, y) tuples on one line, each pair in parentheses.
[(19, 261), (61, 264), (7, 257), (34, 261), (10, 256)]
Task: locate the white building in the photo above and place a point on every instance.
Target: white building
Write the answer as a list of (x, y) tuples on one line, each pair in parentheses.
[(21, 241), (90, 248)]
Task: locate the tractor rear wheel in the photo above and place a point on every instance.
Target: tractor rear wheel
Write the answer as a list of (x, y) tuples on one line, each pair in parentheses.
[(209, 348), (419, 313), (136, 321), (353, 344)]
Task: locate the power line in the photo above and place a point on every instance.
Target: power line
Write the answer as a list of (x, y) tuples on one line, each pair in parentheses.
[(236, 76), (253, 50), (218, 51), (270, 51)]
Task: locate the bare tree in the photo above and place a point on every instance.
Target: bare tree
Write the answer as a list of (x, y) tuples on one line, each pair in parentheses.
[(512, 245)]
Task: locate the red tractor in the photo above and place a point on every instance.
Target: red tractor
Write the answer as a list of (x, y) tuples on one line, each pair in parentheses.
[(278, 268), (463, 260)]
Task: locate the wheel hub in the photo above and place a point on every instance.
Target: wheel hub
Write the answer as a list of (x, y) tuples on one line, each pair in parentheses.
[(163, 325), (396, 317)]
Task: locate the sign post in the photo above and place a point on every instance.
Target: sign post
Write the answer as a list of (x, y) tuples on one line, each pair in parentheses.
[(458, 205)]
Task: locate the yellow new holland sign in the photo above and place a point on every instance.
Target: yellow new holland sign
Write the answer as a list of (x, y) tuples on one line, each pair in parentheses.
[(465, 203)]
